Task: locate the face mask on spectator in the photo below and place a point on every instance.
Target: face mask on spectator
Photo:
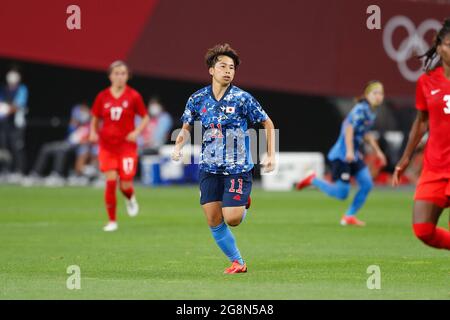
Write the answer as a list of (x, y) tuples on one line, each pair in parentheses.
[(84, 116), (155, 109), (12, 78)]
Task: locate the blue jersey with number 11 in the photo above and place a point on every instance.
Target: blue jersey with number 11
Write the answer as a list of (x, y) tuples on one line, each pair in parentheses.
[(225, 138)]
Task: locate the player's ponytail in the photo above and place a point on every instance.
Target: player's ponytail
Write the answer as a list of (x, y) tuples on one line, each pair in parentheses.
[(431, 54)]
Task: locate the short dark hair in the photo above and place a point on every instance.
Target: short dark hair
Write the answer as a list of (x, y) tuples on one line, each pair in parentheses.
[(213, 54)]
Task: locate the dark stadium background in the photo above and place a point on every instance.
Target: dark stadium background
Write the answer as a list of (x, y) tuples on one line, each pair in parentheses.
[(50, 102), (296, 59)]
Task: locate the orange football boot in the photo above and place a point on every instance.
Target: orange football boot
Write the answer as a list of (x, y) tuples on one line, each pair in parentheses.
[(236, 267), (306, 182), (352, 221)]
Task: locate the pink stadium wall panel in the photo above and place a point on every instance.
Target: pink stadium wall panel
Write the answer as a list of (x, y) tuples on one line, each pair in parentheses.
[(320, 47)]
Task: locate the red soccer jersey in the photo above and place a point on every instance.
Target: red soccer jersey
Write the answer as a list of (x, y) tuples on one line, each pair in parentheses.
[(433, 96), (118, 115)]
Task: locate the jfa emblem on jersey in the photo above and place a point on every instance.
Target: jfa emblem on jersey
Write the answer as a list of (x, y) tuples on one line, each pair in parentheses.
[(229, 110), (125, 104)]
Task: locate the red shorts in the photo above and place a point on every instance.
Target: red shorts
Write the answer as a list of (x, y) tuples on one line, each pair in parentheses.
[(124, 162), (434, 187)]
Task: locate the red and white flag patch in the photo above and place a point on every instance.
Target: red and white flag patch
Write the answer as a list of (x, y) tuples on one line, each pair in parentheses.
[(229, 109)]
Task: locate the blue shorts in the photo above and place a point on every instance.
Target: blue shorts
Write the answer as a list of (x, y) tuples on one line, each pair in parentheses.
[(343, 171), (233, 189)]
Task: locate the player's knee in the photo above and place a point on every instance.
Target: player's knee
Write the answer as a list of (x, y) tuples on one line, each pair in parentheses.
[(424, 231), (342, 195), (233, 221), (111, 175), (214, 221), (343, 192), (125, 185), (367, 185)]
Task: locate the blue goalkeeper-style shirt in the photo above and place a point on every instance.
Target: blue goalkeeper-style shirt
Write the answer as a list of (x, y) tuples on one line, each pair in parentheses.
[(362, 118), (225, 138)]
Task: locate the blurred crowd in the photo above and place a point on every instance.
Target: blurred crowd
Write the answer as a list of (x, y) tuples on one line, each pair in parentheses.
[(72, 160)]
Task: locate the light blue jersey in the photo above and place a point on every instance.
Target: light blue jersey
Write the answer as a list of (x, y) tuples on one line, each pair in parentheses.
[(362, 118), (225, 140)]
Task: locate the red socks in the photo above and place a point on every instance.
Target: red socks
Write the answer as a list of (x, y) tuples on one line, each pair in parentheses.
[(432, 235), (110, 199), (128, 193)]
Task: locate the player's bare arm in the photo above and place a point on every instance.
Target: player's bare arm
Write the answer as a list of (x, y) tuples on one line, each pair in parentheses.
[(269, 162), (132, 136), (416, 133), (93, 135), (181, 140), (370, 139)]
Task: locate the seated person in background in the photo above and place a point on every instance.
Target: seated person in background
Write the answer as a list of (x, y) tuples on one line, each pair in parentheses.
[(5, 162), (76, 142), (157, 131), (86, 167), (13, 108)]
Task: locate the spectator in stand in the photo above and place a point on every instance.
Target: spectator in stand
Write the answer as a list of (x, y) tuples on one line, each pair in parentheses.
[(13, 108), (157, 131), (76, 143)]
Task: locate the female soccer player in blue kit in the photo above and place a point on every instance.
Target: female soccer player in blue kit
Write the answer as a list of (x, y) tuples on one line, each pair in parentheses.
[(226, 166), (345, 158)]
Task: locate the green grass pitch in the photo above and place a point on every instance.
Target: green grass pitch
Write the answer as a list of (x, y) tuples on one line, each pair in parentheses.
[(292, 243)]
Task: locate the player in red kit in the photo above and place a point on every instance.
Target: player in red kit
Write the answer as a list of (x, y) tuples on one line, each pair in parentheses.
[(433, 104), (116, 108)]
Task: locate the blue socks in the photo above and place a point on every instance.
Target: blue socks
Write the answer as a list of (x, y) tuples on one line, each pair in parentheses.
[(226, 242), (365, 183), (339, 190)]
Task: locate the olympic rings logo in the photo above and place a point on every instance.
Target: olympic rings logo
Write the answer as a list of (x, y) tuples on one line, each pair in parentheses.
[(413, 43)]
